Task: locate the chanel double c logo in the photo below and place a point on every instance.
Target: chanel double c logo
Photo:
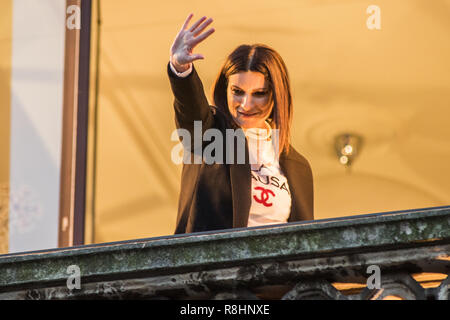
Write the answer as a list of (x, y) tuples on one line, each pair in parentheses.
[(264, 196)]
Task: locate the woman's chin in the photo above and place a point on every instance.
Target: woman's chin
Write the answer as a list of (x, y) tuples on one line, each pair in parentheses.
[(251, 124)]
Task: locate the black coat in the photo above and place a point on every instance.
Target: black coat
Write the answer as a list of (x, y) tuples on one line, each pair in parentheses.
[(218, 196)]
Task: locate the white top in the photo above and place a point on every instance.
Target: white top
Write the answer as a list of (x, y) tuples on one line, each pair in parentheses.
[(271, 197)]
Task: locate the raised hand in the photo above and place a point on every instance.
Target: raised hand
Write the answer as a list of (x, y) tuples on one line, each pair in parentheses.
[(187, 39)]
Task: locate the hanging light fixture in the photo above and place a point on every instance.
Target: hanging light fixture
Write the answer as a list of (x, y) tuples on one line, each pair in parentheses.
[(347, 147)]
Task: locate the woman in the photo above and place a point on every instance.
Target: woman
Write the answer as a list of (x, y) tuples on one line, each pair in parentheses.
[(274, 184)]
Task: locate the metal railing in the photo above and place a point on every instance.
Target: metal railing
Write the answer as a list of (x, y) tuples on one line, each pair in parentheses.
[(401, 255)]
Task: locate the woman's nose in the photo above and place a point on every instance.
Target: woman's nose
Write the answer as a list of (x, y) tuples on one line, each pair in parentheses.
[(245, 102)]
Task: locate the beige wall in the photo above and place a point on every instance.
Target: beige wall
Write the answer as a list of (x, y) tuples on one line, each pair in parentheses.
[(5, 103), (392, 86)]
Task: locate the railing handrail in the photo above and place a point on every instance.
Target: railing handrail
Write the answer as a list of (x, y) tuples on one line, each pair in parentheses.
[(301, 241)]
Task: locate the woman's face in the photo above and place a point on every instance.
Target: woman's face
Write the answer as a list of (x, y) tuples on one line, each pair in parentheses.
[(249, 99)]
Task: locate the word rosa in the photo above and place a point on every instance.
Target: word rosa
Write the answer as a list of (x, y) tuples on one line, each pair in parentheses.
[(210, 146)]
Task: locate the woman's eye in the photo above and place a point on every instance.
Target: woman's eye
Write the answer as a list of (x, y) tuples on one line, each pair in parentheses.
[(237, 92), (260, 93)]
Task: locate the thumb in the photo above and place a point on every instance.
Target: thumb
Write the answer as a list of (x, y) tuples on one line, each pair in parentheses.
[(197, 57)]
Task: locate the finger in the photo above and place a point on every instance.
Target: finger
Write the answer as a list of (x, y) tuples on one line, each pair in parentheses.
[(196, 57), (195, 25), (186, 23), (203, 26), (202, 37)]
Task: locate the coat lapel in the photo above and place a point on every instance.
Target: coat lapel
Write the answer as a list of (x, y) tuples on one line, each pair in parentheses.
[(241, 185), (286, 168), (301, 186)]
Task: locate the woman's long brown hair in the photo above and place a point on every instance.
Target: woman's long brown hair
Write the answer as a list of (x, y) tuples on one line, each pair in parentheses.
[(260, 58)]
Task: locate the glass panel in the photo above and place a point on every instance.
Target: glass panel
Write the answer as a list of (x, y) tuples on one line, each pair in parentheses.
[(32, 64)]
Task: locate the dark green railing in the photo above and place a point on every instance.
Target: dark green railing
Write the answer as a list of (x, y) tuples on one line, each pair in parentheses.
[(360, 257)]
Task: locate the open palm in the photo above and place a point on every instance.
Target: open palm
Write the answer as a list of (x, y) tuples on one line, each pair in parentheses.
[(181, 52)]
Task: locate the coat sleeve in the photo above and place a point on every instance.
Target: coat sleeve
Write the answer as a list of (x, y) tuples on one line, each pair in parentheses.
[(190, 102)]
